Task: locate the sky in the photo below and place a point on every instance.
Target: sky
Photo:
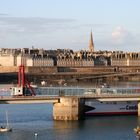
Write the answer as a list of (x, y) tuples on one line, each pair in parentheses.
[(67, 24)]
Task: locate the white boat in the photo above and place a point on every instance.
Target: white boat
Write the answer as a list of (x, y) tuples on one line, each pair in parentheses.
[(111, 108), (96, 107), (6, 128)]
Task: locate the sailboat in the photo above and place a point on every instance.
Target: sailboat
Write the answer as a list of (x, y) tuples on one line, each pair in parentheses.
[(6, 128)]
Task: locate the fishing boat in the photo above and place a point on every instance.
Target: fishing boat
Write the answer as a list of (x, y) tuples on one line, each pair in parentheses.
[(6, 128)]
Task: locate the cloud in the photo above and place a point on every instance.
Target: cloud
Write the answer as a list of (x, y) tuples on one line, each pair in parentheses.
[(119, 34), (3, 14), (124, 39), (53, 33), (28, 31), (32, 24), (122, 36)]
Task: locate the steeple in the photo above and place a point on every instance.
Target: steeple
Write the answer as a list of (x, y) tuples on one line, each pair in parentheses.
[(91, 44)]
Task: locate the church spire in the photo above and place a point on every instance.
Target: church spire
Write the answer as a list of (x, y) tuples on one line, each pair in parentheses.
[(91, 44)]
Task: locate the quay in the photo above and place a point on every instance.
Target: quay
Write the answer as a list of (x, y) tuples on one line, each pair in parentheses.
[(72, 106)]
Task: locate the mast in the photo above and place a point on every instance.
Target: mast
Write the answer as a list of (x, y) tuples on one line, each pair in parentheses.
[(7, 122)]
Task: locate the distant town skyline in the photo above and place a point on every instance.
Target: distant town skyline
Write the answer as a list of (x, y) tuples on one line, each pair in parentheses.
[(68, 24)]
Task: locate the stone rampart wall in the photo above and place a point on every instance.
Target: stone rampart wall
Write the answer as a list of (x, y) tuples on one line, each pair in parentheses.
[(54, 70), (43, 70), (8, 69)]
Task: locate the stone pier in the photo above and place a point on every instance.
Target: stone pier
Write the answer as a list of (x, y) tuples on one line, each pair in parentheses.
[(69, 108)]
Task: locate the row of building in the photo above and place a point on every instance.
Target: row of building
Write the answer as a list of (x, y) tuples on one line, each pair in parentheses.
[(67, 57), (114, 59)]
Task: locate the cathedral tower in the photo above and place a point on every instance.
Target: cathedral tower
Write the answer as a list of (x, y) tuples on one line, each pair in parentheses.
[(91, 44)]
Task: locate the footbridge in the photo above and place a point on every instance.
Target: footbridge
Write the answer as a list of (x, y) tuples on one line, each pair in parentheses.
[(69, 102), (56, 99)]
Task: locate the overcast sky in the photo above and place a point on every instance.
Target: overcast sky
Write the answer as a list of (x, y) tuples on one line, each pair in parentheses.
[(53, 24)]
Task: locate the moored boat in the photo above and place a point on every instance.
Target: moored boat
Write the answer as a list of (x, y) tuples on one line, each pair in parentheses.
[(6, 128), (112, 107)]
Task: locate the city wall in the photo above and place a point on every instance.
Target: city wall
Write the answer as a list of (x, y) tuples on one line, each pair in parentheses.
[(41, 70), (8, 69), (55, 70)]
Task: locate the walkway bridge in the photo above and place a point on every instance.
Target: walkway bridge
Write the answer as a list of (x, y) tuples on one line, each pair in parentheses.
[(56, 99), (69, 103)]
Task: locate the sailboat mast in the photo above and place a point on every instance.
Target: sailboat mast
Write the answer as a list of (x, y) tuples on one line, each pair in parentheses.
[(7, 119)]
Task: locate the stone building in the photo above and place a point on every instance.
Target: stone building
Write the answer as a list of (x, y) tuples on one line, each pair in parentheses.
[(74, 63), (100, 61), (119, 59), (125, 59), (7, 60), (134, 59), (42, 62)]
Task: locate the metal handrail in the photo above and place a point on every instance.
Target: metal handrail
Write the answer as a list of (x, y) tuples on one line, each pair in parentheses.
[(77, 91)]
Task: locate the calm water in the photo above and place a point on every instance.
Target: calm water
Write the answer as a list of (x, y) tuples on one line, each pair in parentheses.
[(26, 120)]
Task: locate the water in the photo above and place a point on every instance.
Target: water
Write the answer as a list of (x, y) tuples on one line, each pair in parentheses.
[(26, 120), (30, 119)]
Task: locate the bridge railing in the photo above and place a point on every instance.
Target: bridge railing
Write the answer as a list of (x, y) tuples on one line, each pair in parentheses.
[(77, 91)]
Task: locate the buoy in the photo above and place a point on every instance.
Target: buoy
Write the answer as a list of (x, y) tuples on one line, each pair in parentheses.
[(36, 134)]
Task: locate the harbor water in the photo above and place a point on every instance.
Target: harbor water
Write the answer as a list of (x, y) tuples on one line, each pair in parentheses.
[(35, 122)]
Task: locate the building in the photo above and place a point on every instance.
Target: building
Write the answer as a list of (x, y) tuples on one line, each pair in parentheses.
[(74, 63), (91, 44), (7, 60), (41, 62), (125, 59), (134, 59), (100, 61)]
